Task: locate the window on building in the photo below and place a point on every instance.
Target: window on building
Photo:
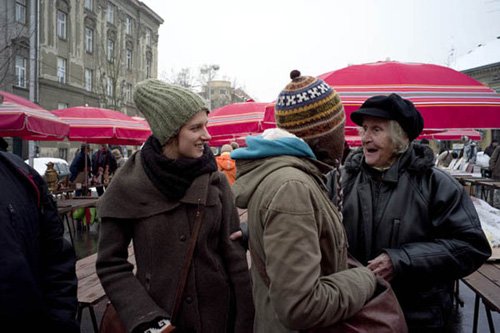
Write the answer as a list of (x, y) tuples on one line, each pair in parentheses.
[(128, 25), (129, 90), (109, 87), (129, 59), (148, 68), (61, 106), (148, 37), (110, 13), (21, 11), (89, 4), (88, 79), (61, 24), (111, 50), (21, 64), (89, 40), (61, 70), (63, 153), (222, 91)]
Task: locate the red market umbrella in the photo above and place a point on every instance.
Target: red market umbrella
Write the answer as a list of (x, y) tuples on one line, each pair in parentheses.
[(446, 98), (453, 134), (97, 125), (232, 121), (22, 118)]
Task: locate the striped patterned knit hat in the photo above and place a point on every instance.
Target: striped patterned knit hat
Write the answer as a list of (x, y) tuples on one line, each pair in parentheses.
[(166, 107), (309, 108)]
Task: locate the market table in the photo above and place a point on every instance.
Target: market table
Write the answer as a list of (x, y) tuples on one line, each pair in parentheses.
[(66, 206), (488, 188), (485, 282)]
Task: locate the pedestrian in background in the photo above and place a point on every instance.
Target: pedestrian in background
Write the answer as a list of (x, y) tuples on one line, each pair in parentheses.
[(491, 147), (120, 161), (103, 167), (410, 222), (38, 284), (80, 170), (297, 241), (153, 201), (226, 164)]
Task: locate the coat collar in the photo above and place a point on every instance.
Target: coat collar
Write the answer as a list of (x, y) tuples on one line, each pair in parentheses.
[(131, 194)]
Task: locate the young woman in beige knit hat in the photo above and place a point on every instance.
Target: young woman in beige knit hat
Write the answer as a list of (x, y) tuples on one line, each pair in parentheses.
[(154, 201)]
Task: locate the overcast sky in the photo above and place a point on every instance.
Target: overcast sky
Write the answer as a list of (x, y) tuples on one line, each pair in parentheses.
[(258, 42)]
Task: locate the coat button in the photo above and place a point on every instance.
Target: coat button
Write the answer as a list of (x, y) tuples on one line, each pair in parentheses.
[(182, 238), (189, 300)]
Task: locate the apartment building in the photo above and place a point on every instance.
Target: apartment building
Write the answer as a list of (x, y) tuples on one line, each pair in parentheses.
[(88, 51)]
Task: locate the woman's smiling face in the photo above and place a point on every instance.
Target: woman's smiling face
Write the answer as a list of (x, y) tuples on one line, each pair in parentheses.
[(378, 146), (191, 139)]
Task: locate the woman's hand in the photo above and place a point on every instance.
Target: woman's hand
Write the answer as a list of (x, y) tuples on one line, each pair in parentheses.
[(382, 266)]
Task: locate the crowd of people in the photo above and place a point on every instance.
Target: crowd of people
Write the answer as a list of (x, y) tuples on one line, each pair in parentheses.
[(311, 201), (94, 170)]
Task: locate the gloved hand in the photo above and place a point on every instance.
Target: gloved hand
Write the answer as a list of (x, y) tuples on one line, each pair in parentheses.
[(159, 325)]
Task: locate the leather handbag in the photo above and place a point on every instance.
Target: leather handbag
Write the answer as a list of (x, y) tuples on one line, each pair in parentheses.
[(111, 322), (381, 314)]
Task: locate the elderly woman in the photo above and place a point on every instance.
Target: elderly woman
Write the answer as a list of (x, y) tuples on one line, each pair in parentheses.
[(410, 222)]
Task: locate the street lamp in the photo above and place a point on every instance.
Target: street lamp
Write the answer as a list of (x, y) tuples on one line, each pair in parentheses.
[(210, 70)]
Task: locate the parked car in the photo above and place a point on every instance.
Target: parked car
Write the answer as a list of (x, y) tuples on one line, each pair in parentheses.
[(60, 165)]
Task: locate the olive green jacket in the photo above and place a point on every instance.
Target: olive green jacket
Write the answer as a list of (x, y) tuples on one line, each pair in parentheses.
[(296, 231)]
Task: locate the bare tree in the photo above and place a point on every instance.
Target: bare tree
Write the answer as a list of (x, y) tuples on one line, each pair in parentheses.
[(110, 86), (15, 41), (182, 78)]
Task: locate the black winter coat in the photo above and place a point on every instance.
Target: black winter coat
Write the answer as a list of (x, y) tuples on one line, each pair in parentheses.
[(424, 220), (38, 283)]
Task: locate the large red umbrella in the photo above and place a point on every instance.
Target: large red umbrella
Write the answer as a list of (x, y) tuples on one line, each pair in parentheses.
[(22, 118), (97, 125), (446, 98), (233, 121), (453, 134)]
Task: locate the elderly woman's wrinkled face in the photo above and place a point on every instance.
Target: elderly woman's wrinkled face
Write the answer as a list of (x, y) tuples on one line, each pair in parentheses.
[(378, 146)]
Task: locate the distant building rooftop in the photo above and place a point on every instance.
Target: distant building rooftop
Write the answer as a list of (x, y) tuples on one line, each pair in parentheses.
[(482, 55)]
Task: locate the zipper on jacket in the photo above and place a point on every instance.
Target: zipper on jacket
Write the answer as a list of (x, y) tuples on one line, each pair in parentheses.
[(395, 232)]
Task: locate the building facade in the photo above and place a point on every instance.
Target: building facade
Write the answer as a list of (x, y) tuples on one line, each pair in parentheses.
[(87, 52), (483, 65)]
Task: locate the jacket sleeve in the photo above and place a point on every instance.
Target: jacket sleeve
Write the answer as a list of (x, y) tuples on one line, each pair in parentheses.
[(236, 261), (456, 246), (301, 297), (58, 268)]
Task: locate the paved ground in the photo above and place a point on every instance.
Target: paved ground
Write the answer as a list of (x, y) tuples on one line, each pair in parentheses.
[(86, 244)]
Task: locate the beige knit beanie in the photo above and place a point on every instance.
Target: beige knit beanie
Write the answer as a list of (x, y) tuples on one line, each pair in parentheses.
[(166, 107)]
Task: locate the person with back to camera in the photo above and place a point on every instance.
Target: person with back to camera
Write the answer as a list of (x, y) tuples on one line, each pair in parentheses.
[(410, 222), (155, 201), (38, 284), (295, 230), (226, 164), (103, 167), (80, 170)]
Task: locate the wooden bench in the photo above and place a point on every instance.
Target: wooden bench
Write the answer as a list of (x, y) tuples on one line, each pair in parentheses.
[(485, 282), (90, 291)]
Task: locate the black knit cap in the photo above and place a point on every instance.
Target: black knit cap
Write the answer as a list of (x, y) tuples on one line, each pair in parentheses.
[(392, 107)]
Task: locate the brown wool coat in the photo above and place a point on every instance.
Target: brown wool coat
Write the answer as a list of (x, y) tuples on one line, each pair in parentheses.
[(217, 296)]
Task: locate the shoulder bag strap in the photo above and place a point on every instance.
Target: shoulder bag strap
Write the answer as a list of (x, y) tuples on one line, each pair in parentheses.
[(187, 262)]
